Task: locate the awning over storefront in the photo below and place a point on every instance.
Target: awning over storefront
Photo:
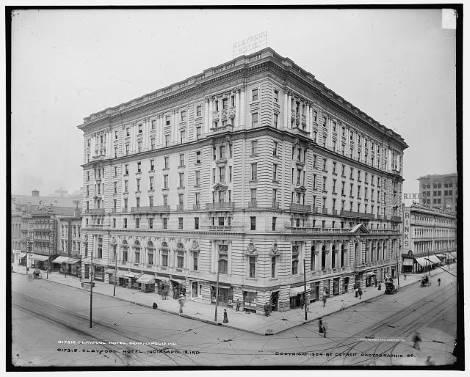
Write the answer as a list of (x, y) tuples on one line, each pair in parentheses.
[(100, 262), (297, 291), (453, 254), (21, 255), (146, 279), (370, 274), (423, 262), (408, 262), (39, 257), (73, 261), (60, 260), (434, 259), (110, 271), (442, 256), (133, 275)]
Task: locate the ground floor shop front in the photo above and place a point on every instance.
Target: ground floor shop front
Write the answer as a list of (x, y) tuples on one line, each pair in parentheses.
[(259, 300)]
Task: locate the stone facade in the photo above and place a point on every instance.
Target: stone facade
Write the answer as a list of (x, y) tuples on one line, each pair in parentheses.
[(439, 191), (253, 163)]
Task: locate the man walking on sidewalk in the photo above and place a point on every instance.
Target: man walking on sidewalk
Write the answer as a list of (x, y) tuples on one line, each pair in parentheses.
[(439, 282), (324, 300), (359, 291)]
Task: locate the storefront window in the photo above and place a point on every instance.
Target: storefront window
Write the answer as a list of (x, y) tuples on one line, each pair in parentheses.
[(249, 300)]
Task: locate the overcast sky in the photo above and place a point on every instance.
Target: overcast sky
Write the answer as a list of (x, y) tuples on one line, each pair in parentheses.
[(398, 66)]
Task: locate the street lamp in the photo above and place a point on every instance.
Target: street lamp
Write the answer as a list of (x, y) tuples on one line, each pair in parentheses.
[(217, 288), (91, 289)]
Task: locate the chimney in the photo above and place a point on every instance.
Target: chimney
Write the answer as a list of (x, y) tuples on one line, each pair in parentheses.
[(76, 211), (35, 193)]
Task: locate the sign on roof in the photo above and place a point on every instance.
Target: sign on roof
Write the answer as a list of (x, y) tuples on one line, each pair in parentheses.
[(253, 43)]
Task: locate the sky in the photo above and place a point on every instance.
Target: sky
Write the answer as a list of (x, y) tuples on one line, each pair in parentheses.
[(398, 66)]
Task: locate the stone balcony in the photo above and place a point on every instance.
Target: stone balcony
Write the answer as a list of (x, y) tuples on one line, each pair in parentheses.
[(303, 208), (154, 209), (225, 206)]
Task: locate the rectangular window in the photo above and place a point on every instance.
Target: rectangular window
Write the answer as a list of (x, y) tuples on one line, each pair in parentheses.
[(196, 223), (151, 201), (139, 167), (254, 147), (254, 119), (125, 223), (137, 201), (252, 263), (199, 110), (198, 157), (254, 95), (137, 223), (275, 148), (150, 223), (276, 120), (252, 222), (181, 180), (180, 223), (274, 172), (165, 223), (273, 226), (254, 171), (138, 184), (151, 179), (152, 165), (165, 181), (167, 140), (198, 177)]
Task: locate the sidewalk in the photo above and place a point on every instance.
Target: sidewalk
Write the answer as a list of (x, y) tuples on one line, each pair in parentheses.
[(255, 323)]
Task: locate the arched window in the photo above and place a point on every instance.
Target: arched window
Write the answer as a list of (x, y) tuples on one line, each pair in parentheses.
[(164, 253), (150, 253), (137, 251), (124, 250)]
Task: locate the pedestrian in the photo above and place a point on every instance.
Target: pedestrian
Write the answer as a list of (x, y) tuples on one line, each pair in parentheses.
[(439, 282), (404, 276), (356, 292), (225, 316), (181, 302), (237, 305), (324, 300), (417, 341), (325, 327), (320, 325), (360, 293)]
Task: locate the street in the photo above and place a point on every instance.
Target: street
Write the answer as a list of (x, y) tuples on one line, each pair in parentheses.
[(377, 332)]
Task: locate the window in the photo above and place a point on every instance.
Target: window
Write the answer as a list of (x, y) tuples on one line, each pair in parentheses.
[(324, 184), (199, 110), (230, 173), (126, 169), (254, 95), (165, 181), (295, 259), (152, 165), (253, 195), (125, 223), (167, 119), (138, 184), (196, 223), (223, 259), (222, 174), (126, 185), (276, 96), (275, 148), (180, 223), (254, 171), (254, 119), (274, 172), (197, 177), (137, 223), (125, 204), (128, 132), (324, 164), (252, 222), (167, 140), (154, 122), (254, 147), (222, 152), (139, 146), (181, 180), (139, 167), (137, 200), (127, 149), (276, 120), (183, 116), (150, 223), (150, 201), (252, 266), (166, 162), (182, 136), (198, 157), (165, 223), (273, 227)]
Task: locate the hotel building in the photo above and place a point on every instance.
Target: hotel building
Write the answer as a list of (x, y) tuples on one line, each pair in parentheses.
[(250, 170), (439, 191)]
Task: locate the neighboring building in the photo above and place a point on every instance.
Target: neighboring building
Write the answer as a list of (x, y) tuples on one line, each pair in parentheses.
[(69, 244), (429, 237), (439, 191), (249, 169)]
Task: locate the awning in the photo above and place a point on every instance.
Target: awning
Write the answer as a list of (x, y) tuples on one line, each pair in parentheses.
[(423, 262), (163, 278), (110, 271), (21, 255), (297, 291), (39, 257), (370, 274), (146, 279), (434, 259), (100, 262), (453, 254), (60, 260), (408, 262), (73, 261), (442, 256), (131, 274)]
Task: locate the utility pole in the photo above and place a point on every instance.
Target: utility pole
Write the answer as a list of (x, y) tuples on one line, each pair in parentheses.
[(115, 272), (305, 291), (217, 289), (398, 272), (91, 290), (429, 264)]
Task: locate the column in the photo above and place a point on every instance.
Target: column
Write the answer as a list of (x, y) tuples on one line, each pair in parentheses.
[(242, 108), (237, 110), (338, 257), (209, 123), (307, 117), (289, 111), (318, 256), (286, 99), (329, 258)]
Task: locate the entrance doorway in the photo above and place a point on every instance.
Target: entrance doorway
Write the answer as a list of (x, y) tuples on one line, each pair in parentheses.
[(314, 291), (274, 301)]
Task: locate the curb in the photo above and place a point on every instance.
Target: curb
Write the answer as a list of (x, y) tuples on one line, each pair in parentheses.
[(273, 332)]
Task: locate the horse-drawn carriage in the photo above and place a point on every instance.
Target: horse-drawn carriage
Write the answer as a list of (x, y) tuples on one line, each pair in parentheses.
[(389, 286), (425, 282)]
